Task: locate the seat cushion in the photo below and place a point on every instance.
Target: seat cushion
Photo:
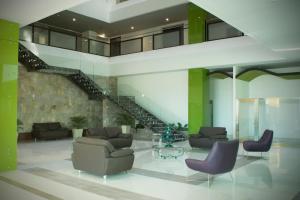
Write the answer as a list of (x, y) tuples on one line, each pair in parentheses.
[(119, 143)]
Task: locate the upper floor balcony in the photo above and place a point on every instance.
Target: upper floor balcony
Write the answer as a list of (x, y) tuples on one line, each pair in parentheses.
[(175, 35)]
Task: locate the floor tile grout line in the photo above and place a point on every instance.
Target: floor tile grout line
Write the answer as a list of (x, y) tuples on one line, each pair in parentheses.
[(29, 189)]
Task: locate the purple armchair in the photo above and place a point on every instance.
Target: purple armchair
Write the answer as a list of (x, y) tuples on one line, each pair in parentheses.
[(262, 145), (221, 159)]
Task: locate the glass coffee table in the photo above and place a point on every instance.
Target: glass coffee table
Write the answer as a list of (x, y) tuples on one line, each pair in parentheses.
[(168, 152)]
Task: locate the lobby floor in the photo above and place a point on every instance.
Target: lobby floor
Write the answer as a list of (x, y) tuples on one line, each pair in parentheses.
[(45, 171)]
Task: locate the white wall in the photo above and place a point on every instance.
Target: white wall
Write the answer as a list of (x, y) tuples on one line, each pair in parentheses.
[(221, 93), (273, 86), (163, 94)]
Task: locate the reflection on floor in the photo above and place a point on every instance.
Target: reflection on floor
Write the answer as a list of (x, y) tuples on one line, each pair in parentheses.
[(45, 171)]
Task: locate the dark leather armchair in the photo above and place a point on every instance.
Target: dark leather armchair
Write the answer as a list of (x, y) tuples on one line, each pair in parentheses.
[(111, 134), (221, 159), (262, 145), (99, 157), (207, 136)]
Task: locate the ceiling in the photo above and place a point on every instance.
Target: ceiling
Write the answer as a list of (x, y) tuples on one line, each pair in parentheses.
[(272, 23), (145, 21), (28, 11)]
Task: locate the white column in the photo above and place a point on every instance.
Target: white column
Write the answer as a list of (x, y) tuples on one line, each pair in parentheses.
[(234, 103)]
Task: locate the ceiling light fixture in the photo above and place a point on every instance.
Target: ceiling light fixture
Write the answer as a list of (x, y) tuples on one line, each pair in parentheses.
[(132, 28), (167, 19), (74, 19)]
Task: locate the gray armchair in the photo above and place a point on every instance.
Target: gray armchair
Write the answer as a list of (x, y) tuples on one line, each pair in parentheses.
[(98, 156), (220, 159), (111, 134), (207, 136)]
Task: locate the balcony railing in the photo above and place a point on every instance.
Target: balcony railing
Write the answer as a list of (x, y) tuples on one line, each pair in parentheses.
[(68, 39)]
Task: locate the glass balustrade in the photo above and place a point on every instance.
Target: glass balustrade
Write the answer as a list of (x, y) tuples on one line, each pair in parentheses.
[(282, 115), (63, 38)]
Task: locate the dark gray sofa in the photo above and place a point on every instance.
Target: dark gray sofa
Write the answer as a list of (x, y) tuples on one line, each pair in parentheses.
[(207, 136), (111, 134), (49, 131), (99, 157)]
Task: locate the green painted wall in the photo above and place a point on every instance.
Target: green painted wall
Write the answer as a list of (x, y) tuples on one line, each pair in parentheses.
[(9, 36), (196, 20), (198, 78), (198, 99)]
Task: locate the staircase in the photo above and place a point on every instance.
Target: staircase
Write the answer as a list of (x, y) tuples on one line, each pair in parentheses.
[(34, 63)]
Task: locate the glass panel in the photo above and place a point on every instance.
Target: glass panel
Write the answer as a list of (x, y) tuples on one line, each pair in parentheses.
[(282, 115), (166, 40), (40, 35), (63, 40), (82, 44), (99, 48), (131, 46), (26, 33), (148, 43), (222, 30), (248, 119)]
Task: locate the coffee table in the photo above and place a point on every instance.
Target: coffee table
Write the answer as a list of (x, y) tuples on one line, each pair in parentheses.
[(168, 152)]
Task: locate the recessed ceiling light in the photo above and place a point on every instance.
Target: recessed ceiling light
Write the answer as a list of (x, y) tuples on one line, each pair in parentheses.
[(74, 19), (167, 19), (132, 27), (102, 35)]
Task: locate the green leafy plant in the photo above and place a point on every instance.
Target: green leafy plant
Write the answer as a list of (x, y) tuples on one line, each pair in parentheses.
[(19, 125), (78, 122), (179, 127), (125, 119)]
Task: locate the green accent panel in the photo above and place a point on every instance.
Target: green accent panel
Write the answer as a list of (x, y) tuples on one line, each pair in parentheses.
[(250, 75), (197, 99), (291, 76), (196, 19), (9, 36), (219, 75), (9, 30)]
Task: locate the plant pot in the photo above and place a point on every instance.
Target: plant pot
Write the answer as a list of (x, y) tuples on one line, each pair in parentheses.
[(77, 133), (126, 129)]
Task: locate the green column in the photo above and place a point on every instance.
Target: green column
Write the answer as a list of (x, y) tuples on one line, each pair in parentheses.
[(9, 36), (198, 79), (198, 99), (196, 19)]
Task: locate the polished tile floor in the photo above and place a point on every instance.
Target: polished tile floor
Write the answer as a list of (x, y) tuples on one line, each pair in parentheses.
[(45, 172)]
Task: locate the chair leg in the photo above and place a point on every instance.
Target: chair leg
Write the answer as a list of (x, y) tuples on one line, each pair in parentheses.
[(209, 179), (261, 154), (104, 177)]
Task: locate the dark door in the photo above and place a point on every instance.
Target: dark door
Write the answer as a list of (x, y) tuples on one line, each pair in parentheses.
[(115, 46)]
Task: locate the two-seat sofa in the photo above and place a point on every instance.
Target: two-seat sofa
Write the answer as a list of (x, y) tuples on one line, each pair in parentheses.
[(111, 134), (207, 136), (49, 131)]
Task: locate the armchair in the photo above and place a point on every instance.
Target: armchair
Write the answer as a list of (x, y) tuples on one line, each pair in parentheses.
[(221, 159), (98, 156), (262, 145)]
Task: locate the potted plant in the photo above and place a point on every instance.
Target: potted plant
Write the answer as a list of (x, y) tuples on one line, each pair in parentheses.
[(125, 121), (19, 128), (78, 123)]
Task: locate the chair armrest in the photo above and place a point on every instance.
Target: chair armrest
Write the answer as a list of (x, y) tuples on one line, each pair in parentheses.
[(121, 153)]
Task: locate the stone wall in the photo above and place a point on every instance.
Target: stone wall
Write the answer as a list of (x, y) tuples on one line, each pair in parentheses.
[(49, 98)]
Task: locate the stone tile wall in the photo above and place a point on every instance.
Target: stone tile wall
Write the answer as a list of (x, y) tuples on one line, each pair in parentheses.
[(50, 97)]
